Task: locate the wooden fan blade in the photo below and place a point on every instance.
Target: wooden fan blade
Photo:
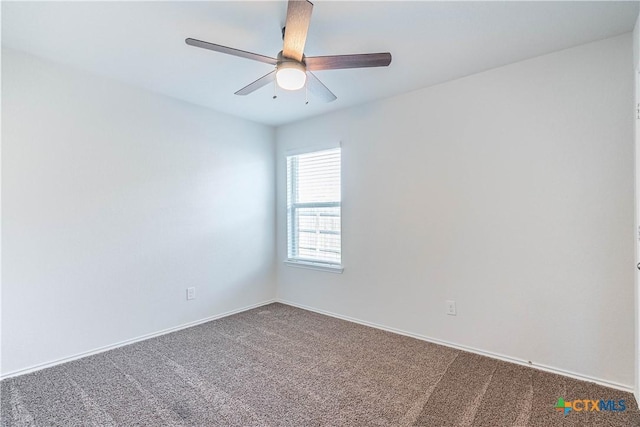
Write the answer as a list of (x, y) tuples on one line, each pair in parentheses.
[(317, 88), (231, 51), (295, 33), (335, 62), (262, 81)]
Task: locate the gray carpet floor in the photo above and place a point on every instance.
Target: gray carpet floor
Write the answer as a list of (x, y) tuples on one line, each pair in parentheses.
[(282, 366)]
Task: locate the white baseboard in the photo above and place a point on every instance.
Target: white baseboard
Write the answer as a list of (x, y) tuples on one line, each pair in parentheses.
[(618, 386), (510, 359), (130, 341)]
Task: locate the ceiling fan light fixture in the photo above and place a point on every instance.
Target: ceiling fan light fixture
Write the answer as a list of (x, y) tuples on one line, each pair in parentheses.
[(291, 75), (291, 64)]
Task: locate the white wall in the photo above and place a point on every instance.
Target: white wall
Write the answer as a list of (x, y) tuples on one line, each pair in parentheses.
[(510, 192), (636, 66), (114, 201), (636, 44)]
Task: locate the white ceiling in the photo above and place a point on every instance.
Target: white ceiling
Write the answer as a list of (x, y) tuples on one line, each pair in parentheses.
[(142, 43)]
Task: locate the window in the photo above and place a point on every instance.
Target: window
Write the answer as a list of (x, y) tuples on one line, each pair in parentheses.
[(313, 208)]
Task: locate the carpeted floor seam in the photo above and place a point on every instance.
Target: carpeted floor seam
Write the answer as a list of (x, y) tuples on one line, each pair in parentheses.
[(522, 420), (165, 414), (472, 409), (221, 401), (411, 417), (23, 417)]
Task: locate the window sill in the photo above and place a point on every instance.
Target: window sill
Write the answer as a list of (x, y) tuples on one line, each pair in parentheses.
[(315, 266)]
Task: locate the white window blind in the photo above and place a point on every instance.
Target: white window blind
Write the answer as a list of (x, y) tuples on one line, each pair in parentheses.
[(313, 207)]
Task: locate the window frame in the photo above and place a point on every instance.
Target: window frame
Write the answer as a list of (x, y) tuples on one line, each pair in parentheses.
[(292, 206)]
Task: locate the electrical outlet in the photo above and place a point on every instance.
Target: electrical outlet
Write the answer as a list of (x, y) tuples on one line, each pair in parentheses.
[(451, 308), (191, 293)]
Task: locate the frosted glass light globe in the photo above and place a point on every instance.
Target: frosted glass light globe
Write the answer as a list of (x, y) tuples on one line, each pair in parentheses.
[(291, 76)]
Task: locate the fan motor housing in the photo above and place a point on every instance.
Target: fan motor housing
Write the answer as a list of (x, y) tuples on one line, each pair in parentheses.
[(284, 60)]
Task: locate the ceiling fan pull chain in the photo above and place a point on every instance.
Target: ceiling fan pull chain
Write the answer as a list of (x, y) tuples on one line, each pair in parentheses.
[(306, 93), (275, 84)]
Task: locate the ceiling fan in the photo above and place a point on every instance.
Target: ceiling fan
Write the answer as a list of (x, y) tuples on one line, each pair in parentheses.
[(293, 69)]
